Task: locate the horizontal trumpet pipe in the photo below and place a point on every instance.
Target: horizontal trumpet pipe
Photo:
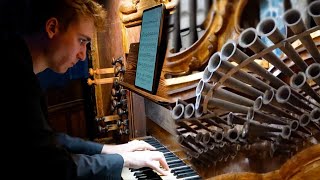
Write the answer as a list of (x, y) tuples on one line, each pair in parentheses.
[(313, 73), (249, 39), (216, 62), (315, 115), (269, 98), (313, 10), (264, 118), (186, 127), (261, 130), (177, 111), (299, 81), (230, 96), (234, 119), (189, 110), (101, 81), (284, 95), (229, 51), (304, 119), (226, 105), (231, 135), (267, 28), (231, 83), (185, 142), (292, 19), (211, 138), (258, 105)]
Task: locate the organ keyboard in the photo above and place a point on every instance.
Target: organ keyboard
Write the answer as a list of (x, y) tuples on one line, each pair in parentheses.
[(178, 169)]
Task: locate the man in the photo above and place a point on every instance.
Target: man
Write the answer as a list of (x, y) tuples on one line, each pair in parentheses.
[(53, 34)]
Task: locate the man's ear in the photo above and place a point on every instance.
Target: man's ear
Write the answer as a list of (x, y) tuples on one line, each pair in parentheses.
[(52, 27)]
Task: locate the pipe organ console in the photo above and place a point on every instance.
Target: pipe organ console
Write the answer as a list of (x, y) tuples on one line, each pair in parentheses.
[(235, 108)]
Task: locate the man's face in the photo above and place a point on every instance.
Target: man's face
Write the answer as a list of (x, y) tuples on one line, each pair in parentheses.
[(68, 47)]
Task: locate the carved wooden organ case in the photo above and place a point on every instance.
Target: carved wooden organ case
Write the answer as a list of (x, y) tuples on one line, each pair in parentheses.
[(238, 107)]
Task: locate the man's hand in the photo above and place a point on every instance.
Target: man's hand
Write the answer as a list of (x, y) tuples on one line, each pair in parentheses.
[(152, 159), (131, 146)]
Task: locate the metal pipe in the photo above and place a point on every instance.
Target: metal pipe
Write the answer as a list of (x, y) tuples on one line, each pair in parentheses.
[(193, 34), (203, 87), (188, 111), (178, 111), (268, 28), (184, 141), (229, 51), (304, 120), (200, 125), (231, 97), (313, 72), (258, 130), (176, 37), (294, 124), (313, 10), (216, 63), (292, 19), (315, 115), (299, 81), (264, 118), (231, 135), (284, 95), (249, 39), (198, 112), (269, 98), (226, 105), (259, 105), (231, 83), (233, 119), (212, 138)]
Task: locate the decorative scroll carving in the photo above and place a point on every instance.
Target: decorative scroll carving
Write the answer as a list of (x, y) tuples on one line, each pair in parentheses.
[(131, 10)]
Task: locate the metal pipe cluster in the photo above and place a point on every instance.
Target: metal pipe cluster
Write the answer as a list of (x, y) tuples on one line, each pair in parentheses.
[(239, 110)]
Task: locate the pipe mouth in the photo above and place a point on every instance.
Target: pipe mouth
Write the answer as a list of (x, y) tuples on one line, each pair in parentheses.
[(283, 94), (206, 138), (199, 87), (198, 137), (298, 80), (286, 132), (291, 17), (214, 62), (218, 136), (198, 101), (314, 9), (304, 120), (206, 75), (177, 111), (230, 117), (228, 49), (313, 71), (188, 110), (315, 115), (250, 114), (233, 135), (248, 37), (294, 125), (268, 96), (266, 27), (257, 104), (198, 111)]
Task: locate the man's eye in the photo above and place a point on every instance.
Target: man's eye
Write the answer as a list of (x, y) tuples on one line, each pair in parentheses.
[(83, 41)]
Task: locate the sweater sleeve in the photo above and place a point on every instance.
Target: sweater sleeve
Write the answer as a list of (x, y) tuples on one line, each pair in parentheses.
[(77, 145), (104, 166)]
